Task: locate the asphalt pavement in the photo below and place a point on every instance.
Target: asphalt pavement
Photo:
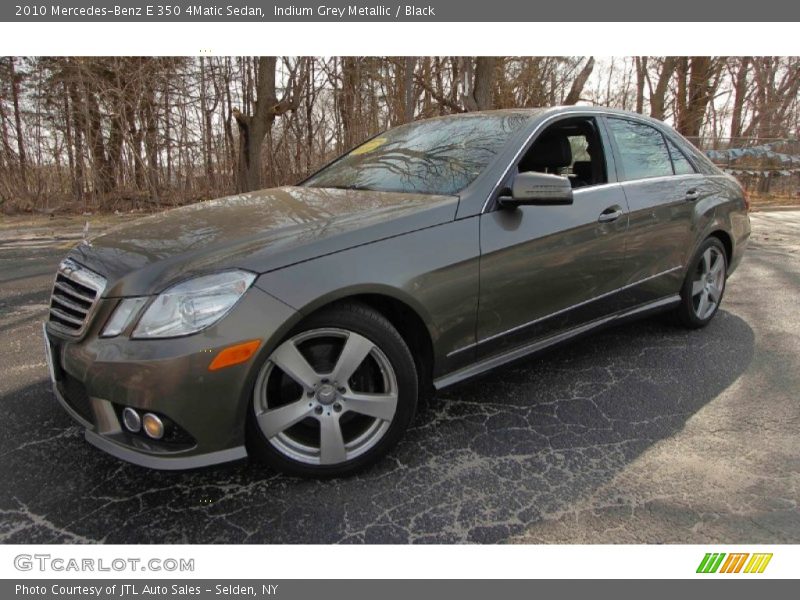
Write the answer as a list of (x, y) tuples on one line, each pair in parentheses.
[(645, 433)]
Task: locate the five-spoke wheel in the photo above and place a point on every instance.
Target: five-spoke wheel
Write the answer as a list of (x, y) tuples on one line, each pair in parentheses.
[(331, 398), (704, 285), (708, 283)]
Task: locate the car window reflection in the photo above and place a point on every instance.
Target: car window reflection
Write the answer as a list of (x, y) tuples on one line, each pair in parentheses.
[(428, 157)]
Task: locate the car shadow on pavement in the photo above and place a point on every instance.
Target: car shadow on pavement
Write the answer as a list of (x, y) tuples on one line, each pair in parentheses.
[(483, 461)]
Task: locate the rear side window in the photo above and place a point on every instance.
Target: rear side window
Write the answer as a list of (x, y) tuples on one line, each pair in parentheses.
[(679, 161), (643, 152), (701, 161)]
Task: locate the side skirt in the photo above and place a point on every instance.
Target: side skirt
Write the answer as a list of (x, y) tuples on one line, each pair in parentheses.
[(501, 359)]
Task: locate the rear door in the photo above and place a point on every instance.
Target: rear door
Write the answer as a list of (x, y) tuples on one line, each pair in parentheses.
[(549, 268), (661, 206)]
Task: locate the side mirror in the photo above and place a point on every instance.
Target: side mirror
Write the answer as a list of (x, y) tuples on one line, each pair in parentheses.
[(541, 189)]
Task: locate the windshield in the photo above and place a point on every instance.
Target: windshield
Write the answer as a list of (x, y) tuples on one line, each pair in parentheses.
[(441, 156)]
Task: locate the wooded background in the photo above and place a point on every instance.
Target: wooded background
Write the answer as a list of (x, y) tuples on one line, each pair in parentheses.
[(120, 133)]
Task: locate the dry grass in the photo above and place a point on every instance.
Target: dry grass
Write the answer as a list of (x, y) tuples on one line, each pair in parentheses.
[(768, 201)]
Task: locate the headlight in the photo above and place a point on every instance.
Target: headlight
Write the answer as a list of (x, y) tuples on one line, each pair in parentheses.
[(193, 305), (125, 311)]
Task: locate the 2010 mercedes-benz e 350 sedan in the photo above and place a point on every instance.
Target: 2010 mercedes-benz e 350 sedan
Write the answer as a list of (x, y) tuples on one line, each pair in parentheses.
[(300, 324)]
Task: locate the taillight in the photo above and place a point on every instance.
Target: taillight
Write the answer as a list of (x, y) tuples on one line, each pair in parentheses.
[(746, 200)]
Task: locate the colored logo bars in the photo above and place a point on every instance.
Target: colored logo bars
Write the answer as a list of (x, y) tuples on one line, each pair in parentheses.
[(736, 562)]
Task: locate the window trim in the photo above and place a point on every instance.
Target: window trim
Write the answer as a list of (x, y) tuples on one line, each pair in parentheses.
[(670, 145)]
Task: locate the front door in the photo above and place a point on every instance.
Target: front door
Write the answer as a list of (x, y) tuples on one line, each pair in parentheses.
[(545, 269)]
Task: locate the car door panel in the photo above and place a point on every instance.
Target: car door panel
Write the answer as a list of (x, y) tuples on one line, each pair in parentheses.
[(660, 225), (661, 210), (547, 268)]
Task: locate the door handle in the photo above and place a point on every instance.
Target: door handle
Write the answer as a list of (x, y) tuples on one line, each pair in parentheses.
[(692, 195), (612, 213)]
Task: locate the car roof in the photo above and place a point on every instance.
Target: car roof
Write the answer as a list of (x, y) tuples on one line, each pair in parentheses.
[(548, 111)]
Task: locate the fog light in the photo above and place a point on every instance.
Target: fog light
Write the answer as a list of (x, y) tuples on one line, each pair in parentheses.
[(131, 419), (153, 426)]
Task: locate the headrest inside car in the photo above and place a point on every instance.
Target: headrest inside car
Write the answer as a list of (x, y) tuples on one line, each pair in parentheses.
[(548, 152)]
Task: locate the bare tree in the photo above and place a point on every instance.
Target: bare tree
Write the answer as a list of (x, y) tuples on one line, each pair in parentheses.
[(108, 133), (577, 85), (266, 107), (659, 93), (479, 83)]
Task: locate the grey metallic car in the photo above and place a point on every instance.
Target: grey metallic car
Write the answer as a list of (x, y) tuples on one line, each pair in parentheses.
[(300, 325)]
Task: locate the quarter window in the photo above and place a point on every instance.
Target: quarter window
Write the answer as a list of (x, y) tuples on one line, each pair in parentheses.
[(642, 149), (680, 163)]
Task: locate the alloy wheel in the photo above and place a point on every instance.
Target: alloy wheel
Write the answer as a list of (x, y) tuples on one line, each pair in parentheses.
[(325, 396), (708, 283)]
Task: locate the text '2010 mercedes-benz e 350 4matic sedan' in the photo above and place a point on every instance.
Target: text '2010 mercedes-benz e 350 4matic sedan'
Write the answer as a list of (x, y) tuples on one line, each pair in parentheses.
[(300, 324)]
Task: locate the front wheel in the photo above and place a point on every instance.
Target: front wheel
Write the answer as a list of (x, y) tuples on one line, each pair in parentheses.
[(334, 396), (704, 285)]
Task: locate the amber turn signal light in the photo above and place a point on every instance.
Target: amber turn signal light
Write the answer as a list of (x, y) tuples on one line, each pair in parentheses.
[(233, 355)]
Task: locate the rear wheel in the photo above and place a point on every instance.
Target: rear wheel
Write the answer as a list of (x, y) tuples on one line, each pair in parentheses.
[(334, 396), (704, 285)]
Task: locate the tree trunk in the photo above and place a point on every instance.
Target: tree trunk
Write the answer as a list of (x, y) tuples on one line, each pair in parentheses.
[(479, 92), (484, 82), (408, 84), (79, 130), (580, 81), (641, 77), (682, 74), (151, 144), (101, 169), (266, 107), (309, 153), (659, 94), (69, 143), (351, 85), (23, 162), (739, 93), (695, 93)]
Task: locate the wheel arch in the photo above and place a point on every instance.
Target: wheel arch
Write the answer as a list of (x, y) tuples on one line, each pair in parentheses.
[(403, 316), (713, 223), (727, 241)]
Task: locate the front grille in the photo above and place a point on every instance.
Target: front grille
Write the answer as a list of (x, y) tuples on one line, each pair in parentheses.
[(75, 294)]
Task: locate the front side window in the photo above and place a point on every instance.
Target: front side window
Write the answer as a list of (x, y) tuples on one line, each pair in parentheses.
[(642, 149), (570, 148), (440, 156)]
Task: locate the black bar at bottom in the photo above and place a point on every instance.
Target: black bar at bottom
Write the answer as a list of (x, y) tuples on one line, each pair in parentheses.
[(377, 589)]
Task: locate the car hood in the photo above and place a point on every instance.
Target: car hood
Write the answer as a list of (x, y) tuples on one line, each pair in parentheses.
[(259, 231)]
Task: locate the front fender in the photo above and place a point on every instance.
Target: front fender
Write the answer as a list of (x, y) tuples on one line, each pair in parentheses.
[(433, 271)]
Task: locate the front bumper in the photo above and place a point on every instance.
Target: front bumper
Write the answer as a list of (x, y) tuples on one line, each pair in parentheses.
[(94, 378)]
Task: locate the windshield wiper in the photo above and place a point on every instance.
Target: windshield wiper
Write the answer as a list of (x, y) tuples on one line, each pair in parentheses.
[(361, 188)]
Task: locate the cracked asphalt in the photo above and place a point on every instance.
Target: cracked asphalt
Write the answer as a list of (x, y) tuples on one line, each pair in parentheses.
[(645, 433)]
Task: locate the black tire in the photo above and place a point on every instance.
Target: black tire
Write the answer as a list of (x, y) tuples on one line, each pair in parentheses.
[(686, 313), (366, 322)]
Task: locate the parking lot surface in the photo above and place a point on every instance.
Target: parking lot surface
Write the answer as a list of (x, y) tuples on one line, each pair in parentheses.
[(644, 433)]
